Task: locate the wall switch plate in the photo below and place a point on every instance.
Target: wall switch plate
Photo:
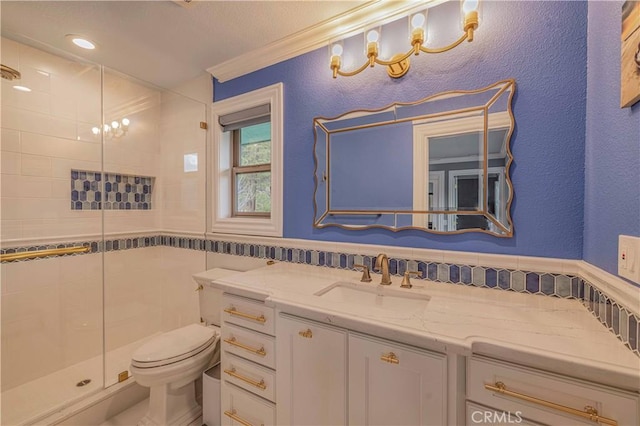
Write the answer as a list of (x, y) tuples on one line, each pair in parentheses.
[(629, 257)]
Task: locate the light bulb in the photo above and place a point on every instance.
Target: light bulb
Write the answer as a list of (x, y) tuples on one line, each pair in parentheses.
[(336, 50), (95, 130), (125, 121), (469, 6), (372, 36), (106, 128), (417, 21), (22, 88), (115, 124)]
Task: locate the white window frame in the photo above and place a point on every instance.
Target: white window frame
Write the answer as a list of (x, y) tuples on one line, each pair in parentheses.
[(222, 220)]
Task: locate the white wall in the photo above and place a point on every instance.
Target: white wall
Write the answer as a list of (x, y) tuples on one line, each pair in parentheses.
[(51, 315), (182, 193), (45, 133)]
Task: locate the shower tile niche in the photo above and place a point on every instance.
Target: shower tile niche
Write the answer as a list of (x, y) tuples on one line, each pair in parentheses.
[(91, 190)]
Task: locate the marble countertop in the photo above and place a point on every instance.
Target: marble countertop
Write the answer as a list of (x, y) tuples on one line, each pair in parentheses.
[(544, 332)]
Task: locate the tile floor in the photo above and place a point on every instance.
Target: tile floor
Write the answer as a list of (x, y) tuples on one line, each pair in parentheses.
[(131, 416)]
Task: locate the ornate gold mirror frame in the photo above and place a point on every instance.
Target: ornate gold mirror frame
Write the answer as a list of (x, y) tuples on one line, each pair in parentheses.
[(420, 142)]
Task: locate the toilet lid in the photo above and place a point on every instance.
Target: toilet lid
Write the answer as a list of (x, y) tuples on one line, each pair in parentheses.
[(174, 345)]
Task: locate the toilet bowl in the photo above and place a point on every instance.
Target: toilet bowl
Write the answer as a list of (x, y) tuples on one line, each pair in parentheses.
[(169, 364)]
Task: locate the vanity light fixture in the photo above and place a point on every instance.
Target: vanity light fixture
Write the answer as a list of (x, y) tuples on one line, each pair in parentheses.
[(114, 130), (398, 65)]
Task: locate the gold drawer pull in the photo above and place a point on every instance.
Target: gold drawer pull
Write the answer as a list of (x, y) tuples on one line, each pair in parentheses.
[(233, 416), (589, 412), (391, 358), (232, 341), (232, 311), (308, 334), (259, 385)]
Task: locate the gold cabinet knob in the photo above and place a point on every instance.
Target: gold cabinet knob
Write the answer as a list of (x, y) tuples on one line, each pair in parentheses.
[(307, 334), (391, 358)]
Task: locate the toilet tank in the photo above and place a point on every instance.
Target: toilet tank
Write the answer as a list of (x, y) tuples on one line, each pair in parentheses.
[(210, 298)]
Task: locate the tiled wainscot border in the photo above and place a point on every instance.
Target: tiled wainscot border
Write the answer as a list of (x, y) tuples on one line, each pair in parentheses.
[(617, 318)]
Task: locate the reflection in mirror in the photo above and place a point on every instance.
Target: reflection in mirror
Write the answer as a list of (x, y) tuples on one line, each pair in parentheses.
[(440, 164)]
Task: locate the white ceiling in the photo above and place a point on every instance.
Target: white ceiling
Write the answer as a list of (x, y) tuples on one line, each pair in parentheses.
[(160, 41)]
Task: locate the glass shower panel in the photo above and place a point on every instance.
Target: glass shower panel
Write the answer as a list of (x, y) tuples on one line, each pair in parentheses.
[(154, 181), (52, 330)]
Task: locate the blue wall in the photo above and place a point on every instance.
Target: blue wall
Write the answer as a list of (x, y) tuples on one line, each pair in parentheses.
[(368, 162), (612, 160), (542, 45)]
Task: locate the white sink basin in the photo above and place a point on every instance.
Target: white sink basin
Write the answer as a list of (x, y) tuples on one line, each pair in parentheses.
[(374, 296)]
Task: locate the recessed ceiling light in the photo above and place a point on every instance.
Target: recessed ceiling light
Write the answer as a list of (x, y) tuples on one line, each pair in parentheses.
[(81, 41), (22, 88)]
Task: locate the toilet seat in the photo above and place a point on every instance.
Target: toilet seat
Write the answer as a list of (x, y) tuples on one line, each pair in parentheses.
[(174, 346)]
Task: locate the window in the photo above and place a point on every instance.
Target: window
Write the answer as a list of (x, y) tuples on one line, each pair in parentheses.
[(251, 172), (247, 163)]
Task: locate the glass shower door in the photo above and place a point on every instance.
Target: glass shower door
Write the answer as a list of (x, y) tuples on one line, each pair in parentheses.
[(154, 182), (51, 316)]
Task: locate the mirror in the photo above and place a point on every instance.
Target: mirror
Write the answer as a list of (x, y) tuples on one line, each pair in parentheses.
[(440, 164)]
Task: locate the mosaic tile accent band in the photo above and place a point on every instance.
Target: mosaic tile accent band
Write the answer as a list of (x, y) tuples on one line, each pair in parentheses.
[(92, 190), (621, 322)]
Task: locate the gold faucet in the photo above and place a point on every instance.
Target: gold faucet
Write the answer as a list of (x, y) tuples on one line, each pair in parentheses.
[(382, 265)]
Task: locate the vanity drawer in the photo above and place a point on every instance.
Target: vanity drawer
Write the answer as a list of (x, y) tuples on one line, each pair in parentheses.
[(248, 313), (545, 397), (240, 407), (257, 347), (479, 414), (249, 376)]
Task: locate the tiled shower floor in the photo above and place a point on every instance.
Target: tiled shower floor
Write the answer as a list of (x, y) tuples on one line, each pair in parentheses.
[(38, 398)]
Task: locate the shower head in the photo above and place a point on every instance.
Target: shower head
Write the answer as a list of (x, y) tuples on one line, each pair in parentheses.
[(9, 73)]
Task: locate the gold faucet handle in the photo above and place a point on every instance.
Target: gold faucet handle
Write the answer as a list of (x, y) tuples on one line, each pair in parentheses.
[(366, 277), (406, 280)]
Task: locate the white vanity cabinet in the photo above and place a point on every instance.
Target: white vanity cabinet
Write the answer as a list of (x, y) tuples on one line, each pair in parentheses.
[(394, 384), (248, 388), (507, 392), (312, 373), (331, 376)]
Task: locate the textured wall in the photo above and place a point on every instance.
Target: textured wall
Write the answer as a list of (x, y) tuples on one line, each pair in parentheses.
[(540, 44), (612, 153)]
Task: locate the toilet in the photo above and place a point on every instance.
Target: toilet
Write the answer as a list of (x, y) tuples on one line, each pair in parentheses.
[(170, 363)]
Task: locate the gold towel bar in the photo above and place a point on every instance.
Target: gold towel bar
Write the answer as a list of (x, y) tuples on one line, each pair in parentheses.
[(259, 385), (232, 311), (44, 253), (232, 415), (234, 342), (588, 412)]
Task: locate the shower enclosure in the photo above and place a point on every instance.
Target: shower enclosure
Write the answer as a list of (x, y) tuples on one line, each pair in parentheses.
[(98, 170)]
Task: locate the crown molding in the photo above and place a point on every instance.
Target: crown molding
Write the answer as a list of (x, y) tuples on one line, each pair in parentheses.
[(344, 25)]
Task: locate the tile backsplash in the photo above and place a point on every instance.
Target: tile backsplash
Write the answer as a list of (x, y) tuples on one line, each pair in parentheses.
[(92, 190), (618, 319)]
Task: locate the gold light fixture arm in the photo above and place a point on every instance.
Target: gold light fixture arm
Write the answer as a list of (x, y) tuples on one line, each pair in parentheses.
[(336, 71), (464, 37)]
